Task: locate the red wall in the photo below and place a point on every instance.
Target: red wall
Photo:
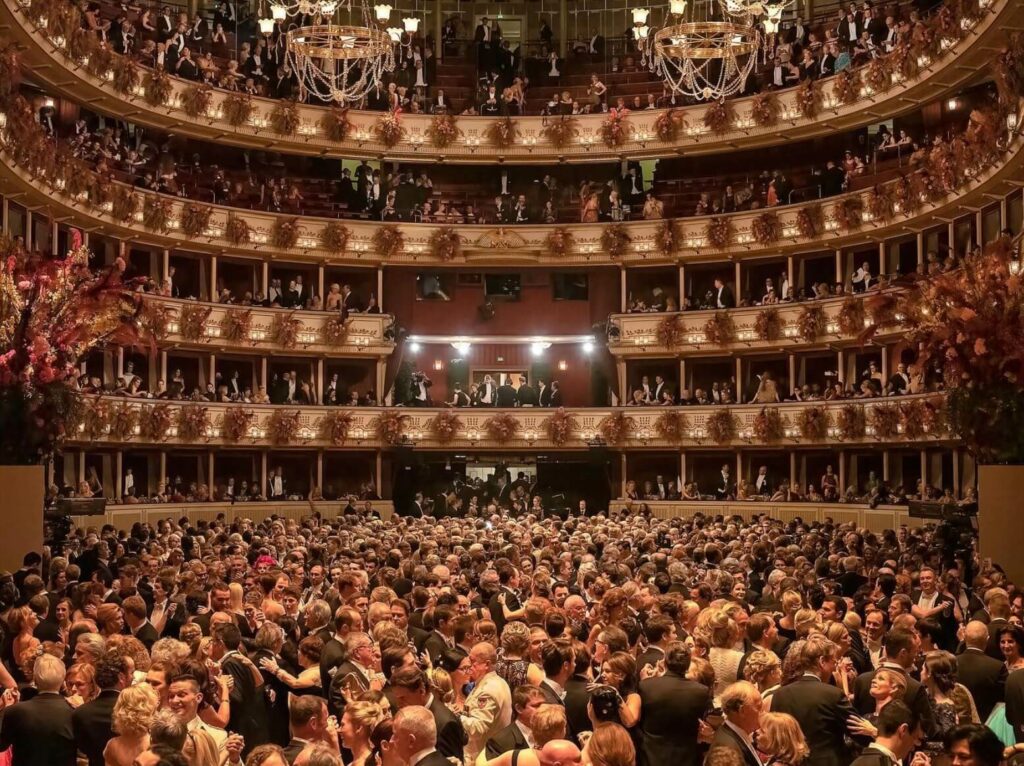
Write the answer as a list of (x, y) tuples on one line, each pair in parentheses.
[(536, 313)]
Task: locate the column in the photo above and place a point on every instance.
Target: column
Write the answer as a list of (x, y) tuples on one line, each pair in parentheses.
[(978, 233), (739, 465), (263, 372), (739, 380), (29, 233), (682, 286), (120, 362), (839, 266), (920, 253), (789, 274), (163, 365), (736, 276), (211, 480), (841, 360), (265, 289), (924, 467), (881, 257), (1002, 213), (214, 292), (563, 28), (682, 375), (165, 262), (320, 470), (951, 235), (885, 465), (792, 469), (55, 231), (163, 465), (380, 287), (842, 472), (885, 365), (382, 366), (623, 292), (791, 358), (118, 474), (622, 477), (620, 368), (438, 24), (263, 471), (379, 472), (320, 270), (321, 384), (213, 369)]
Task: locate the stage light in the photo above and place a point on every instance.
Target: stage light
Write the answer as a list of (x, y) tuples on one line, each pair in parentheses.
[(537, 349), (588, 347), (414, 347), (462, 348)]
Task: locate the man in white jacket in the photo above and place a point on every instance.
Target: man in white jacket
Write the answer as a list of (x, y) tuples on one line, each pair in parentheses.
[(488, 708)]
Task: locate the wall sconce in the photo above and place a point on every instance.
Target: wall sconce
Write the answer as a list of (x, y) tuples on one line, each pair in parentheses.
[(563, 365), (438, 365)]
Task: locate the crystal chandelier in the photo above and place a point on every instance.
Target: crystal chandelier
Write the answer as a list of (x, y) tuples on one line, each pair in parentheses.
[(702, 52), (769, 11), (337, 62)]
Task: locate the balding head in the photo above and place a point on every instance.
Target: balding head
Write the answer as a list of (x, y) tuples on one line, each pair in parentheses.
[(414, 730), (976, 635), (483, 656), (559, 752)]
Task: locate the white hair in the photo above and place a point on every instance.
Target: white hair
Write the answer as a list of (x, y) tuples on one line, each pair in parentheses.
[(419, 722), (48, 673)]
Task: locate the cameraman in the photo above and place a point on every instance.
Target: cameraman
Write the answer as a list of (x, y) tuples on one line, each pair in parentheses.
[(420, 396)]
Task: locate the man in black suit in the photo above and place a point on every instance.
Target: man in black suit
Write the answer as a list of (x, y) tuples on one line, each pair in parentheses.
[(506, 394), (741, 706), (660, 632), (92, 721), (556, 395), (442, 637), (508, 577), (40, 731), (901, 650), (821, 710), (984, 676), (724, 299), (220, 601), (487, 393), (307, 715), (930, 603), (543, 394), (559, 663), (672, 705), (849, 29), (415, 734), (517, 735), (526, 396), (577, 694), (139, 625), (851, 579), (899, 732), (726, 485), (248, 713), (997, 603), (354, 674), (409, 689)]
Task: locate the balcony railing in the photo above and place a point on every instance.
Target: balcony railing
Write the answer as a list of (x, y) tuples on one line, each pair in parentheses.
[(321, 333), (956, 62), (116, 420)]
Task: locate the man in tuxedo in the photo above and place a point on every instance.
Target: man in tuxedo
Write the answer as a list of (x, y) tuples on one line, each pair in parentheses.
[(506, 396), (543, 394), (420, 390), (307, 717), (851, 579), (559, 663), (741, 705), (928, 602), (248, 711), (526, 395), (724, 490), (459, 397), (661, 489), (441, 638), (724, 299), (354, 674), (40, 731), (556, 395), (672, 706), (138, 623), (275, 484), (487, 393), (901, 650), (409, 689), (821, 709), (899, 381), (659, 386), (763, 484), (517, 735), (984, 676), (850, 28), (899, 733), (508, 578), (414, 738), (92, 721)]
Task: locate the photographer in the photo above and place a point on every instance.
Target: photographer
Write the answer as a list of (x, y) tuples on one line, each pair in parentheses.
[(420, 395)]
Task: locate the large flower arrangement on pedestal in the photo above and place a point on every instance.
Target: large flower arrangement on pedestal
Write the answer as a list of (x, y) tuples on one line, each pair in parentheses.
[(560, 427), (53, 311), (502, 427), (617, 428)]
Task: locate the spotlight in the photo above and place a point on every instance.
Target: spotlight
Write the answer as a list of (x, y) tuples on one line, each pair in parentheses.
[(588, 347), (414, 347), (537, 349), (462, 348)]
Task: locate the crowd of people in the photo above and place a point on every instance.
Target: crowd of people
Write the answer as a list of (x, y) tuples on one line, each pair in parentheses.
[(604, 640)]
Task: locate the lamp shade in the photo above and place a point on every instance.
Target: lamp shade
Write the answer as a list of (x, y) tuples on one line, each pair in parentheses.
[(640, 16), (411, 24), (382, 12), (677, 7)]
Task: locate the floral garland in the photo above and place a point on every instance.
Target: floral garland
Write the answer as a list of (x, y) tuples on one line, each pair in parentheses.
[(913, 418), (126, 76), (237, 108), (285, 233), (124, 203), (388, 241), (334, 237), (768, 426), (502, 427), (765, 109), (615, 129), (196, 99), (766, 229), (719, 232), (670, 331), (883, 309), (10, 69), (390, 427), (721, 426), (236, 324), (156, 214), (122, 421), (443, 131), (195, 218), (812, 323), (813, 423), (154, 422), (1009, 70), (666, 238), (155, 318), (285, 330), (285, 118), (720, 329), (851, 422), (808, 98), (669, 125), (615, 239), (881, 205), (157, 87), (877, 76), (718, 117), (851, 316), (809, 220), (193, 421), (560, 427), (502, 133), (192, 321), (335, 124), (336, 426), (768, 325), (388, 128), (237, 230), (616, 428), (559, 242), (445, 243), (445, 426), (847, 213), (336, 330), (671, 426), (560, 131), (283, 426), (95, 420), (903, 60), (847, 85), (235, 423), (885, 419)]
